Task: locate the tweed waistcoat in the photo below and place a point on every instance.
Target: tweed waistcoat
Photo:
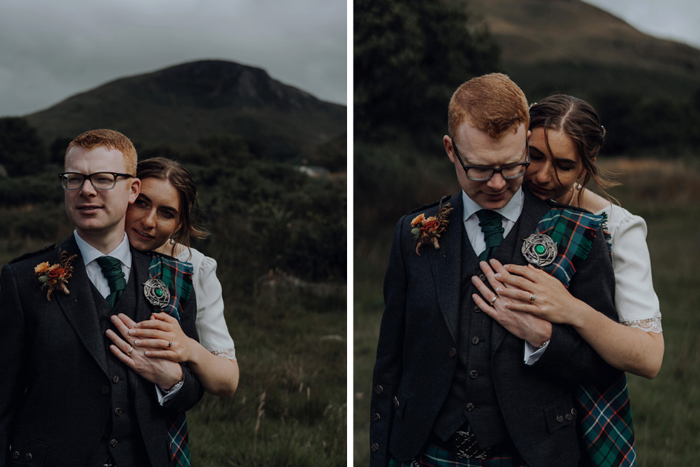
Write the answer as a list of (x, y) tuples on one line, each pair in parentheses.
[(472, 396), (121, 437)]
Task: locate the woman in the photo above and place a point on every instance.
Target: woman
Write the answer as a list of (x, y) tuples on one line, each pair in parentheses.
[(162, 219), (564, 144)]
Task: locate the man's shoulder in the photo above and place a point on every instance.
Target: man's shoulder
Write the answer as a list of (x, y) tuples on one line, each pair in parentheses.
[(41, 255), (434, 205)]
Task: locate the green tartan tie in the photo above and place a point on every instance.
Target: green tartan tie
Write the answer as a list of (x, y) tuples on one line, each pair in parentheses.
[(112, 270), (492, 225)]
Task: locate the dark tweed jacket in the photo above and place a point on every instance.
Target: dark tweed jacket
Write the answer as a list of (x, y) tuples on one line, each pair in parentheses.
[(419, 333), (54, 383)]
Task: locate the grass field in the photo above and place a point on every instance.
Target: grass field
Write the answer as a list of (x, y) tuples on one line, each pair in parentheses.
[(666, 409), (290, 408)]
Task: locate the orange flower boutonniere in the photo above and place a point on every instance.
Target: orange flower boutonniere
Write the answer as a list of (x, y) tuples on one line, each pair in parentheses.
[(427, 230), (55, 276)]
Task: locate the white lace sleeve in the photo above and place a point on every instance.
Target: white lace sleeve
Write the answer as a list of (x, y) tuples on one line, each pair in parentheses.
[(636, 302), (211, 324), (648, 325)]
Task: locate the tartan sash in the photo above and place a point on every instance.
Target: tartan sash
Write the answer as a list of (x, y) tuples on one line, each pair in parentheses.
[(177, 277), (605, 426), (574, 233)]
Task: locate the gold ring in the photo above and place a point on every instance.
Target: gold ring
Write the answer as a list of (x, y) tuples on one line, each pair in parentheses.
[(131, 349), (493, 300), (532, 299), (170, 344)]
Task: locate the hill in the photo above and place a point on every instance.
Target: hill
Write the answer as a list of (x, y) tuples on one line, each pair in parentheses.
[(179, 105), (574, 47)]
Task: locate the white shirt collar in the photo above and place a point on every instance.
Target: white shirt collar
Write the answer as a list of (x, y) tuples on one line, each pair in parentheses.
[(90, 253), (510, 211)]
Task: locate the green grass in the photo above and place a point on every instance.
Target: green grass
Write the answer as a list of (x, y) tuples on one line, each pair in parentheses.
[(290, 407), (665, 409)]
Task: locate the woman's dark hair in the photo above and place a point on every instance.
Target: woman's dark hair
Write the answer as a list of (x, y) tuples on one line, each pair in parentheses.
[(580, 122), (180, 178)]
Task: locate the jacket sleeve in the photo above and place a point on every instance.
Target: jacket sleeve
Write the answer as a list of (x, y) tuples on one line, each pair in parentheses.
[(191, 391), (388, 366), (567, 354), (12, 358)]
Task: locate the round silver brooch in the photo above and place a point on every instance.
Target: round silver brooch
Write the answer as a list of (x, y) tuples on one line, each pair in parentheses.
[(156, 293), (539, 249)]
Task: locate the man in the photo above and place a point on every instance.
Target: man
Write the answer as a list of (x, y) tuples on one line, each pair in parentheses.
[(65, 397), (450, 384)]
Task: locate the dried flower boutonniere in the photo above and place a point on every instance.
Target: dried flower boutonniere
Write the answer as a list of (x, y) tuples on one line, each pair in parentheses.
[(55, 276), (427, 230)]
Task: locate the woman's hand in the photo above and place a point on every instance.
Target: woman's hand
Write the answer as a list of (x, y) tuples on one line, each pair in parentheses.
[(163, 337), (525, 326), (531, 290), (164, 373)]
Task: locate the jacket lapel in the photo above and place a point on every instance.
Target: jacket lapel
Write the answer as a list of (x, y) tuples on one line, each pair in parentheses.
[(446, 266), (140, 262), (79, 307)]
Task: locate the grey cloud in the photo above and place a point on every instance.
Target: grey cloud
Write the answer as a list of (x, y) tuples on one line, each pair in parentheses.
[(51, 50)]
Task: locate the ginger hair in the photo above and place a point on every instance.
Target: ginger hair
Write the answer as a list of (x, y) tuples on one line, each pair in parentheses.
[(491, 103), (109, 139)]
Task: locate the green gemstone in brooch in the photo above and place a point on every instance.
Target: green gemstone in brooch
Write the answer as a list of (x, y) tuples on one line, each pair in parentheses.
[(539, 250)]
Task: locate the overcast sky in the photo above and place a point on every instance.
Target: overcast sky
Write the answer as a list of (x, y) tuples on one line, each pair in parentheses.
[(670, 19), (50, 50)]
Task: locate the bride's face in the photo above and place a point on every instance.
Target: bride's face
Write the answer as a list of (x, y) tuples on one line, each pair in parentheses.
[(554, 167), (155, 215)]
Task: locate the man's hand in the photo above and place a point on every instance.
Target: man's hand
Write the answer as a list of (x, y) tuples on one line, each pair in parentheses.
[(164, 373), (528, 327)]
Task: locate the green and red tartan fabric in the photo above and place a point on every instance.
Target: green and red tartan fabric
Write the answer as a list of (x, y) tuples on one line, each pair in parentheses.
[(606, 425), (605, 415), (434, 456), (177, 277), (574, 233)]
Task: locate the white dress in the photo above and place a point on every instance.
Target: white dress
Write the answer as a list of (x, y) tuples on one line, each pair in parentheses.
[(636, 302), (211, 325)]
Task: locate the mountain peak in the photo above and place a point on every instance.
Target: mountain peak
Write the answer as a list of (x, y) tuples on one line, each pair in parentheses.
[(213, 84), (180, 104)]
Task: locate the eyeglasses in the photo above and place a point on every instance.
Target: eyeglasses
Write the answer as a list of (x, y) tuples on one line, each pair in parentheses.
[(99, 180), (480, 173)]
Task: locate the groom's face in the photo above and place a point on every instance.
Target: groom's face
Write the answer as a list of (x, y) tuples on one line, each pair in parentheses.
[(479, 149), (93, 211)]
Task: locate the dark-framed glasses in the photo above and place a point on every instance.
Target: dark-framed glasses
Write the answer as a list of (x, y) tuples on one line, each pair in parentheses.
[(99, 180), (480, 173)]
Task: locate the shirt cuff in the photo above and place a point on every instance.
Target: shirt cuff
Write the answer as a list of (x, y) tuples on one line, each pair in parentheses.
[(532, 354), (164, 397)]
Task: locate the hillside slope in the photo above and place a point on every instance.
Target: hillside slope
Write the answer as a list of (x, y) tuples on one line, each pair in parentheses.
[(181, 104), (570, 45)]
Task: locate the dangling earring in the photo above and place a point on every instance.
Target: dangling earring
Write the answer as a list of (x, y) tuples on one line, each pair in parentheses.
[(172, 241), (576, 187)]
